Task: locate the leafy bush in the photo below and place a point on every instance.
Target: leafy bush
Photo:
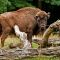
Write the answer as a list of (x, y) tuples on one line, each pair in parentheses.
[(8, 5), (3, 4), (19, 3), (53, 2)]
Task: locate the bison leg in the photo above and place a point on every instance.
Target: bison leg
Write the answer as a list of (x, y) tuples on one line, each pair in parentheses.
[(4, 35), (23, 37), (29, 37)]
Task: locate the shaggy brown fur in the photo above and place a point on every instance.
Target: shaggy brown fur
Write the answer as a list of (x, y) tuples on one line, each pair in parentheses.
[(26, 18), (36, 12)]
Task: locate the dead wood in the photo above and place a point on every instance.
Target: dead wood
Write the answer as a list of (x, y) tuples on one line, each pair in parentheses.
[(22, 53), (50, 29)]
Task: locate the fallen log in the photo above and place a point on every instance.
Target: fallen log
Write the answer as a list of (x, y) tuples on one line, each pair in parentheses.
[(50, 41), (17, 53), (22, 53), (51, 51), (50, 29)]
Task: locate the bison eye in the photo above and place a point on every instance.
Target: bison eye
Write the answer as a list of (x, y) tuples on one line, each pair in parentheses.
[(37, 18)]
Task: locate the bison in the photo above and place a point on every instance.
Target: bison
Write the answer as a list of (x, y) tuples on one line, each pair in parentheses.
[(34, 11), (26, 19)]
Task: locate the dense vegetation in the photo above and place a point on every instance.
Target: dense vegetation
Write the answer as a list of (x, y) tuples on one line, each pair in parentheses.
[(53, 2), (9, 5)]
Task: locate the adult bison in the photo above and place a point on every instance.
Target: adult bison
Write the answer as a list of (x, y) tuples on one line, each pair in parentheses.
[(34, 11), (27, 19)]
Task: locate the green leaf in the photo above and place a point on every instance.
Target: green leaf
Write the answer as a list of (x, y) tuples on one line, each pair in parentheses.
[(53, 2)]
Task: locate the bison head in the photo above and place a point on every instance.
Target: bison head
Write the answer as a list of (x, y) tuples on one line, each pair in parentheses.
[(41, 18)]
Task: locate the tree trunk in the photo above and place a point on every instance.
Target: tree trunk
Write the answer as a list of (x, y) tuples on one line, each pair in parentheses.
[(49, 30)]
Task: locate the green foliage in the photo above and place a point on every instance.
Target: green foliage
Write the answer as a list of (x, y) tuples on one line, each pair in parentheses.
[(8, 5), (34, 45), (3, 4), (19, 3), (53, 2)]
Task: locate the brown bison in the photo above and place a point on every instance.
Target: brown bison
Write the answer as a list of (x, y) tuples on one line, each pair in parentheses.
[(42, 23), (27, 19)]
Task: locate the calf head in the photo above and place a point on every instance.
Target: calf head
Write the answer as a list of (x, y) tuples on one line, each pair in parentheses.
[(41, 18)]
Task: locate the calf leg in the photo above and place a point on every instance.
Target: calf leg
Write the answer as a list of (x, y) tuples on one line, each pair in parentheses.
[(23, 37)]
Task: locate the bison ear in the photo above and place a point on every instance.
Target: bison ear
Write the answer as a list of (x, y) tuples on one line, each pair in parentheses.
[(48, 15)]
